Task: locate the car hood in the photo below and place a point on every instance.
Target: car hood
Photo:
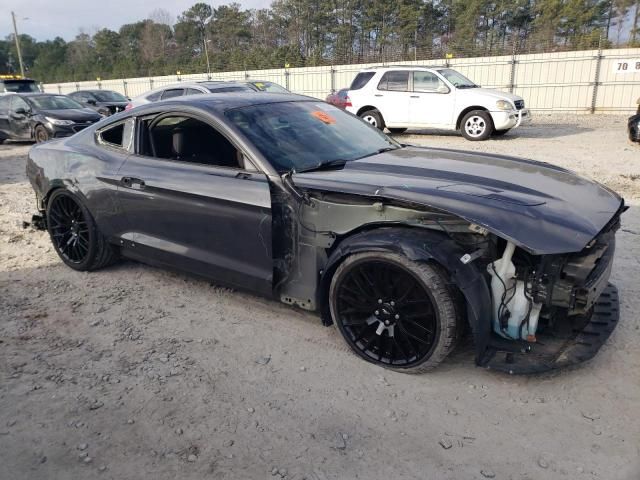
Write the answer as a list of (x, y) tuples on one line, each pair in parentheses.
[(78, 115), (540, 207), (488, 93)]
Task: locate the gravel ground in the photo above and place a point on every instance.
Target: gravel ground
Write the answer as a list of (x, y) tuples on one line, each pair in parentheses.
[(133, 372)]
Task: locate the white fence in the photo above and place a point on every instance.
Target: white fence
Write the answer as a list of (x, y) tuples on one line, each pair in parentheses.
[(588, 81)]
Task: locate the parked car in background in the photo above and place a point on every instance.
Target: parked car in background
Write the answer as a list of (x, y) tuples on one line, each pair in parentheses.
[(340, 98), (398, 246), (634, 125), (266, 86), (188, 88), (17, 84), (41, 116), (423, 97), (105, 102)]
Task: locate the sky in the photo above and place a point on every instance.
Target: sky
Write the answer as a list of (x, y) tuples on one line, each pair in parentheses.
[(47, 19)]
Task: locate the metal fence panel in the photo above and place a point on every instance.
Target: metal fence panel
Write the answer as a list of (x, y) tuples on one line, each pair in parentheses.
[(579, 81)]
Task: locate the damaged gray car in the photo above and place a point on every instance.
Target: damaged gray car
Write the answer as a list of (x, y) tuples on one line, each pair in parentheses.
[(400, 247)]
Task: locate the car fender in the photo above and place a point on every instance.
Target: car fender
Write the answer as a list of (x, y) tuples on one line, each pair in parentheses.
[(420, 245)]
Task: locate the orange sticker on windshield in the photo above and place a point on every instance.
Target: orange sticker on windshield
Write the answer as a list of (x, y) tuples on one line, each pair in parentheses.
[(324, 117)]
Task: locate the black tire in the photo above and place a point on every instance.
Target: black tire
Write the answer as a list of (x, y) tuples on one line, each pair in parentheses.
[(476, 125), (499, 133), (413, 324), (397, 131), (74, 234), (373, 118), (2, 140), (41, 134)]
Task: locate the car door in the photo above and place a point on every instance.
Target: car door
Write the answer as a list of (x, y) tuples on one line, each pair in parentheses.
[(4, 116), (391, 97), (19, 118), (431, 103), (188, 208)]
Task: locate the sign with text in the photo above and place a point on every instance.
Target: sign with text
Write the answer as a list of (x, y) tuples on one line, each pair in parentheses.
[(626, 66)]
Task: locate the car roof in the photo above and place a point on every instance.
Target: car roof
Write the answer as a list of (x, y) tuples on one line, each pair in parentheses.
[(219, 103), (404, 67), (39, 94), (95, 90)]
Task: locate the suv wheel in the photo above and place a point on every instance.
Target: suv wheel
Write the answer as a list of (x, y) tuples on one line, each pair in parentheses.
[(374, 118), (476, 125)]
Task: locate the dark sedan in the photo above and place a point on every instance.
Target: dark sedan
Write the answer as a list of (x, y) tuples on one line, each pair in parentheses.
[(633, 125), (398, 246), (41, 116), (105, 102)]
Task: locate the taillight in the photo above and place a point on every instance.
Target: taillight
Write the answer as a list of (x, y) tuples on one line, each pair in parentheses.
[(128, 107), (347, 102)]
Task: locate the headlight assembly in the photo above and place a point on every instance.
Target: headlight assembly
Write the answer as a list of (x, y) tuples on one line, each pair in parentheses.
[(57, 121), (504, 105)]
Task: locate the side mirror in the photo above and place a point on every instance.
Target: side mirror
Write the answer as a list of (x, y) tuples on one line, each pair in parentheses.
[(442, 89), (91, 101), (20, 111)]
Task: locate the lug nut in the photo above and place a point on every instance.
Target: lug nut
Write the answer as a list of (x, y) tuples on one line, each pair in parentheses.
[(386, 322), (379, 300), (377, 312), (397, 316), (392, 303)]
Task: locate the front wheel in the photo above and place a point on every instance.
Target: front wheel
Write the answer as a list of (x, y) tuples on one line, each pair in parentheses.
[(373, 118), (394, 312), (41, 134), (75, 235), (476, 125)]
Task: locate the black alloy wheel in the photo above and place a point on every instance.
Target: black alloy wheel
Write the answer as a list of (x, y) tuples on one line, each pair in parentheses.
[(74, 234), (394, 312)]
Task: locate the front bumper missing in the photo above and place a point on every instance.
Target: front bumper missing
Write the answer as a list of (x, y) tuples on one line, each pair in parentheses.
[(553, 350)]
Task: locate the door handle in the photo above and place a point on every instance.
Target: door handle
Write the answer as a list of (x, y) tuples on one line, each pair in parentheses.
[(378, 95), (134, 183), (243, 175), (414, 96)]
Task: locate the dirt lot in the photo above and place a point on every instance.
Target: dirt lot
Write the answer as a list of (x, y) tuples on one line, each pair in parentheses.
[(133, 372)]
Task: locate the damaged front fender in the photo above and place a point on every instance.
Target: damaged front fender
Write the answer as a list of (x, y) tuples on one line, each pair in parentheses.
[(421, 246)]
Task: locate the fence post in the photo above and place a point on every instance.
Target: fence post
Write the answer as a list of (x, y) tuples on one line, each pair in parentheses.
[(60, 89), (151, 84), (124, 84), (596, 80), (512, 73), (77, 86), (286, 78), (333, 80), (246, 75)]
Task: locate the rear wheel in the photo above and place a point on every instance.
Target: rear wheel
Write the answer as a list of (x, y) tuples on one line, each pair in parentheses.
[(394, 312), (397, 131), (74, 234), (374, 118), (41, 134), (476, 125)]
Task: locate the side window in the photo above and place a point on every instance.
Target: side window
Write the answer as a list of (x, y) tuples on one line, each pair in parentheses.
[(396, 81), (192, 91), (361, 80), (154, 97), (17, 102), (172, 92), (427, 82), (187, 139), (118, 136)]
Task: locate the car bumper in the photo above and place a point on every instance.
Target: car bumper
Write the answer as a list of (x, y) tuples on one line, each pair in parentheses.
[(510, 119), (59, 131)]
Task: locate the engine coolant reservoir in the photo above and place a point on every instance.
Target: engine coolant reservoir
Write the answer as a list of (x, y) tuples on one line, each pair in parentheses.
[(508, 294)]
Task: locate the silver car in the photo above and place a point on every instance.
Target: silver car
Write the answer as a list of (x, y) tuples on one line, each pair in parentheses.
[(188, 88)]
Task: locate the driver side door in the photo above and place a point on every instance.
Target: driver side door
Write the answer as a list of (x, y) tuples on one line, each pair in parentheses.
[(431, 103), (194, 202), (19, 123)]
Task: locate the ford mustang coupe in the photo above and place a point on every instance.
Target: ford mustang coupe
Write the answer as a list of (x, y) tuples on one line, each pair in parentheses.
[(399, 247)]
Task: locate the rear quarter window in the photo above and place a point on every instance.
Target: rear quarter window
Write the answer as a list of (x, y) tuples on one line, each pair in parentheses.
[(361, 80)]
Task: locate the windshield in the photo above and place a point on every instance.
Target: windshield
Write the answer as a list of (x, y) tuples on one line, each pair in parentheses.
[(54, 102), (21, 86), (109, 96), (270, 87), (307, 135), (457, 79)]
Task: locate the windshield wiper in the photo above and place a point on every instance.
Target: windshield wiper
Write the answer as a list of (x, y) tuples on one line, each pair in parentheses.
[(325, 166), (468, 86), (379, 151)]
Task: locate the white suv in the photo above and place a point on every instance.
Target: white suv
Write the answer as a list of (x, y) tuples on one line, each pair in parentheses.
[(419, 97)]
